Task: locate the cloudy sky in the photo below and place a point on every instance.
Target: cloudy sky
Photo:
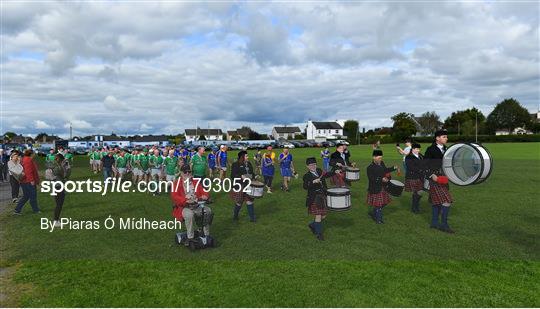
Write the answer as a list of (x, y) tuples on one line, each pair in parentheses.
[(149, 67)]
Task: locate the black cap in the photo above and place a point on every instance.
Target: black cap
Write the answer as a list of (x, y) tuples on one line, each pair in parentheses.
[(185, 168), (416, 145), (377, 153), (339, 144), (441, 132), (242, 154), (311, 160)]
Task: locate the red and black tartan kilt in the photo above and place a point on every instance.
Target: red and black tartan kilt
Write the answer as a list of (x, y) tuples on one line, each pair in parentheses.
[(240, 197), (379, 199), (338, 179), (414, 185), (318, 207), (439, 194)]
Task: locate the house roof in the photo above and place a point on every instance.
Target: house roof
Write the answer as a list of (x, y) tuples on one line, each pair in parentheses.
[(327, 125), (287, 129), (204, 132), (114, 138)]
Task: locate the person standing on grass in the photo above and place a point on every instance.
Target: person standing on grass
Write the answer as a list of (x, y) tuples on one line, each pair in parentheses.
[(16, 173), (439, 193), (49, 159), (285, 160), (268, 171), (155, 161), (315, 185), (339, 160), (241, 170), (222, 161), (121, 164), (212, 163), (199, 164), (4, 158), (378, 175), (61, 170), (107, 163), (29, 183), (405, 152), (258, 162), (414, 176), (325, 155), (171, 166)]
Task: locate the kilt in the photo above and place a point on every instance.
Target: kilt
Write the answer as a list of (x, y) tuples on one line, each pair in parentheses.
[(439, 194), (414, 185), (338, 180), (378, 199), (240, 197), (318, 207)]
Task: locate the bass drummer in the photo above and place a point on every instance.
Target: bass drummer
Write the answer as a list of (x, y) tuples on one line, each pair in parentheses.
[(315, 184), (439, 193)]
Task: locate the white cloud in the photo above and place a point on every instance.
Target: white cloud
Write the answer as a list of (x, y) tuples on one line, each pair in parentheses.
[(111, 103), (39, 124)]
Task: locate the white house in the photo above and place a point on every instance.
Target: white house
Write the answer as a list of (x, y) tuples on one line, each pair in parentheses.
[(209, 134), (316, 130), (517, 131), (285, 132), (116, 141)]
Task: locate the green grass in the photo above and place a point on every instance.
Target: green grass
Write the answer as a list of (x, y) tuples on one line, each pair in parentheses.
[(492, 260)]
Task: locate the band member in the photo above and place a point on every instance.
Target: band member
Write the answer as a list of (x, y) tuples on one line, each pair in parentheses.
[(325, 155), (222, 161), (378, 174), (185, 194), (268, 171), (241, 170), (439, 194), (286, 165), (339, 160), (315, 184), (414, 176)]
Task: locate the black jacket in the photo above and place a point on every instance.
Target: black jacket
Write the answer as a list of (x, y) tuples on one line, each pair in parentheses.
[(237, 170), (108, 161), (433, 160), (375, 174), (415, 166), (336, 158), (315, 188)]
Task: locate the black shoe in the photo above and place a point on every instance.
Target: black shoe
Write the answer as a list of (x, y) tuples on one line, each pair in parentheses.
[(312, 228), (380, 222), (320, 237), (253, 220), (433, 227), (372, 216), (447, 230)]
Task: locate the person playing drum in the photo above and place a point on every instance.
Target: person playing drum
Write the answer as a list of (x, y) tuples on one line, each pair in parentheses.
[(185, 195), (339, 161), (378, 174), (242, 170), (439, 194), (414, 176), (315, 184)]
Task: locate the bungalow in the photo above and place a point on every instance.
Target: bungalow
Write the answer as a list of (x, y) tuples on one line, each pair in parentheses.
[(316, 130), (285, 132), (209, 134), (150, 140)]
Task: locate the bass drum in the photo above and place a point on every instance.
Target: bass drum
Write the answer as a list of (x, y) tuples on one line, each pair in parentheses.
[(467, 164)]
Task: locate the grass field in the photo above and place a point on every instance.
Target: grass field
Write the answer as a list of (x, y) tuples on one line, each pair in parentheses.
[(492, 260)]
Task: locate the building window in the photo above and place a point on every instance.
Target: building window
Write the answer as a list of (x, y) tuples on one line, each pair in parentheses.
[(337, 131)]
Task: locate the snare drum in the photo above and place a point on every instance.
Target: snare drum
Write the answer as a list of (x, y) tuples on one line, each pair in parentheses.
[(352, 174), (338, 199), (256, 189), (395, 187)]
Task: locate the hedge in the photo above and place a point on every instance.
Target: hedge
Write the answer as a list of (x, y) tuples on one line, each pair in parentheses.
[(459, 138)]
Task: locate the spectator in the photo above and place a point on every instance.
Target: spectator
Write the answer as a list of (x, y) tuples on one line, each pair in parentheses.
[(4, 158), (404, 152), (29, 183), (15, 174), (61, 171), (107, 163)]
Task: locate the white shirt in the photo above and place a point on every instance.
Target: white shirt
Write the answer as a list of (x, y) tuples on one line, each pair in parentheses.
[(406, 152)]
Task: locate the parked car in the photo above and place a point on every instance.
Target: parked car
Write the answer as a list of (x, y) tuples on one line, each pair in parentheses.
[(287, 145)]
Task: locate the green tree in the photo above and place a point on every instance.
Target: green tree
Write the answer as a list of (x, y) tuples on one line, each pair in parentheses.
[(461, 122), (404, 126), (509, 114), (10, 135), (350, 128), (429, 123)]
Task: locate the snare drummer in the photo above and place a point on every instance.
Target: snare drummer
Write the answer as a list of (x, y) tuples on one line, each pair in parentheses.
[(439, 194), (286, 168), (315, 184), (414, 176), (242, 170), (377, 196), (339, 160)]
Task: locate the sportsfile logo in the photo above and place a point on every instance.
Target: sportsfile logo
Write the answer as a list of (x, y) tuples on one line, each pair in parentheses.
[(113, 185)]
